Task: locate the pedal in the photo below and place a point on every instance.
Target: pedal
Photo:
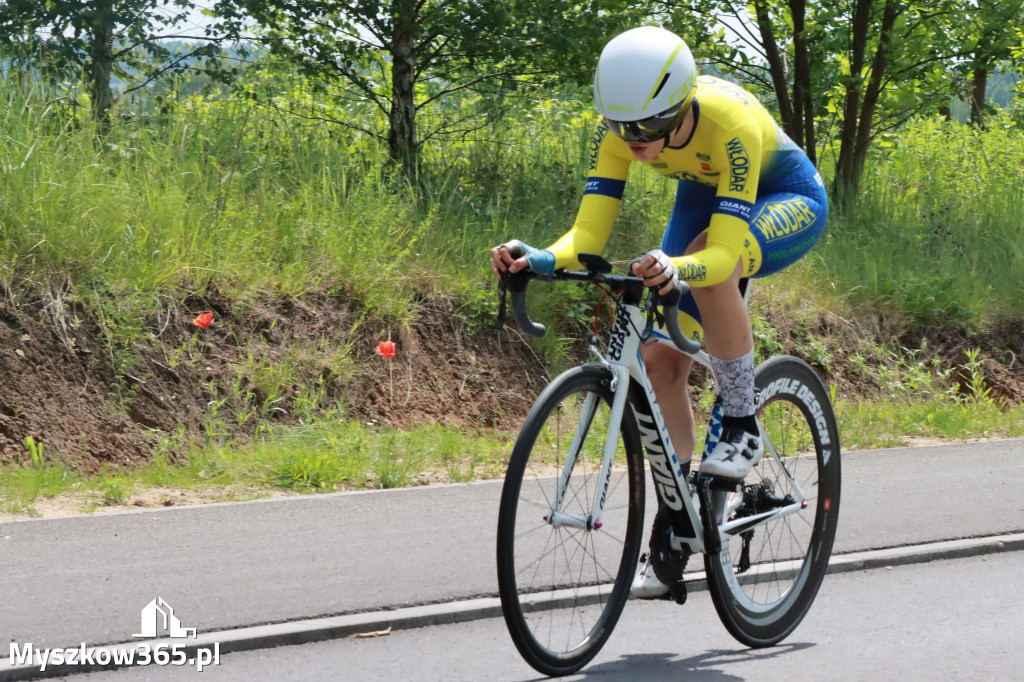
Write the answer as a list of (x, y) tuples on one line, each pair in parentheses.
[(678, 591)]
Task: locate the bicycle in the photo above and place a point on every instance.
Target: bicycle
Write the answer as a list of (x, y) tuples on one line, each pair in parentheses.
[(570, 521)]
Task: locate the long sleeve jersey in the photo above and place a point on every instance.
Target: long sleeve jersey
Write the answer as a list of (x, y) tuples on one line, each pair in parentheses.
[(735, 147)]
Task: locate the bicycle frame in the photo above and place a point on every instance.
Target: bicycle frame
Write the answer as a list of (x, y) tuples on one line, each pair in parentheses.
[(631, 383)]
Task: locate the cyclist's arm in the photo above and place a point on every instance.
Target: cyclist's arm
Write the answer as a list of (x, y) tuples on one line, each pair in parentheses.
[(740, 152), (606, 181)]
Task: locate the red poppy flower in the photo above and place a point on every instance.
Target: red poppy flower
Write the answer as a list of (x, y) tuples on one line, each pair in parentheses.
[(203, 320), (386, 349)]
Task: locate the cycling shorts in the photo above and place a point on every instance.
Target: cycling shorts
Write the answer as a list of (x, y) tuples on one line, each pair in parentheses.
[(787, 221)]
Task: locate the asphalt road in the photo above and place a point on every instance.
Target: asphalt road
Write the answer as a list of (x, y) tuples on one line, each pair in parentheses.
[(958, 620), (85, 579)]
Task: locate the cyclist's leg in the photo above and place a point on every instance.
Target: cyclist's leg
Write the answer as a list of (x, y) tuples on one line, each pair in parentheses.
[(784, 227), (669, 372), (669, 369)]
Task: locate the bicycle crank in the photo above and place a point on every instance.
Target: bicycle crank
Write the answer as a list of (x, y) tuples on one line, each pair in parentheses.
[(668, 563)]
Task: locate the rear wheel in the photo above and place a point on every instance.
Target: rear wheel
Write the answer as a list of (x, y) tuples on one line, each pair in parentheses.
[(766, 575), (563, 584)]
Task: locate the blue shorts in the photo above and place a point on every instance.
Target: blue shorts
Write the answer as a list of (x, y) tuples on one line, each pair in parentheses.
[(787, 221)]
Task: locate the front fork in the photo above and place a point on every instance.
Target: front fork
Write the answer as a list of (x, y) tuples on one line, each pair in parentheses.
[(620, 387)]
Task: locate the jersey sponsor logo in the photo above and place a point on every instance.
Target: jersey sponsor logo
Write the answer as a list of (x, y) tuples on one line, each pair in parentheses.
[(797, 249), (693, 272), (658, 164), (595, 143), (690, 177), (734, 91), (703, 157), (608, 187), (739, 164), (704, 165), (780, 219), (735, 207)]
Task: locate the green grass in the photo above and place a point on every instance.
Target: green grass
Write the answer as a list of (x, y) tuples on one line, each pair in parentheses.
[(234, 194), (918, 400), (354, 456), (328, 457), (936, 236)]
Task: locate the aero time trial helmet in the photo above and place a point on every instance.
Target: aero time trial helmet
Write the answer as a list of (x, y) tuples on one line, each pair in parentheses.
[(645, 81)]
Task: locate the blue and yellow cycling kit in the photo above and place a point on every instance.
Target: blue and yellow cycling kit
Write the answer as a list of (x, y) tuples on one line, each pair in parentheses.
[(735, 156), (740, 178)]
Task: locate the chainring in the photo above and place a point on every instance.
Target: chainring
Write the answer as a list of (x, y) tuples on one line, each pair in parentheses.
[(667, 562)]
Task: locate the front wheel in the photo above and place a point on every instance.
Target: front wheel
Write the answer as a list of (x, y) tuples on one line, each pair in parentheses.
[(563, 584), (766, 575)]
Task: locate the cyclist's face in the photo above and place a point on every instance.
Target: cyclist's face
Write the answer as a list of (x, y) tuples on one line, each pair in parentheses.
[(646, 151)]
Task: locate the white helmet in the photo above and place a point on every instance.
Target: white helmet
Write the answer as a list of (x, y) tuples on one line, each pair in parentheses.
[(645, 82)]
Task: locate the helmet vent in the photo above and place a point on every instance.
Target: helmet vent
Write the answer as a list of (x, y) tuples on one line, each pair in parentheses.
[(661, 85)]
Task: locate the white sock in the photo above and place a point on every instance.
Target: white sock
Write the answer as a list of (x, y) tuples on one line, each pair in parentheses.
[(735, 384)]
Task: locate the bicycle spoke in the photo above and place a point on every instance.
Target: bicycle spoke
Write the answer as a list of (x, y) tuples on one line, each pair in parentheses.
[(563, 587)]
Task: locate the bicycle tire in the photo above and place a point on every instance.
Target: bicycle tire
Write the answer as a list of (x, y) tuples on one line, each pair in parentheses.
[(762, 597), (562, 590)]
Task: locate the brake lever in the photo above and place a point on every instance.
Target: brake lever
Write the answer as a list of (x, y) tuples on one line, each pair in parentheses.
[(650, 313)]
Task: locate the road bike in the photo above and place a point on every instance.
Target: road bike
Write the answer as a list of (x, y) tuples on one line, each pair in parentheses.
[(571, 518)]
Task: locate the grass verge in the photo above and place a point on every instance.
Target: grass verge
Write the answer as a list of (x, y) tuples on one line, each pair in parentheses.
[(350, 455)]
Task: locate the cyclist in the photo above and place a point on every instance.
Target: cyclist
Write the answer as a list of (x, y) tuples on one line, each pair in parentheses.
[(749, 203)]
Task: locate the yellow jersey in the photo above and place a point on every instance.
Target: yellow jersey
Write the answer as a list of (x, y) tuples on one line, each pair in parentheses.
[(735, 147)]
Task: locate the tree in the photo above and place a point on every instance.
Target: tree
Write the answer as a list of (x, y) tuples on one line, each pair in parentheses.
[(843, 71), (404, 56), (100, 39), (989, 41)]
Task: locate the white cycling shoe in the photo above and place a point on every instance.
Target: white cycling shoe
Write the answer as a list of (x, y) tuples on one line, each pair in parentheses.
[(735, 455), (646, 585)]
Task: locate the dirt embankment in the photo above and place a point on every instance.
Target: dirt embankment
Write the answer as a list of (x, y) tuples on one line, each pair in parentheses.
[(91, 397)]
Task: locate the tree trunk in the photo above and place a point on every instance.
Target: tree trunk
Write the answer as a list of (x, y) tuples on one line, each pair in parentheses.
[(102, 63), (402, 143), (979, 81), (846, 179), (873, 92), (777, 68), (803, 101)]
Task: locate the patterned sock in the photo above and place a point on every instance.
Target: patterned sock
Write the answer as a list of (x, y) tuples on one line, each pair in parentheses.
[(735, 384)]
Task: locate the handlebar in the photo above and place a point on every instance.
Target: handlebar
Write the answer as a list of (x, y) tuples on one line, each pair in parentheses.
[(597, 273)]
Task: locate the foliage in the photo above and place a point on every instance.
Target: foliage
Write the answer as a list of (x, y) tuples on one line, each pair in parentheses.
[(405, 56), (234, 191), (947, 198), (101, 39), (843, 74)]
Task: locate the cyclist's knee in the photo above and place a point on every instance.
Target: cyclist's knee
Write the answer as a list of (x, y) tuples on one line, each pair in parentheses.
[(705, 296), (666, 366)]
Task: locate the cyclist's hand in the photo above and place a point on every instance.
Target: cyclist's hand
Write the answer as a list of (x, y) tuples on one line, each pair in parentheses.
[(656, 268), (516, 256)]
